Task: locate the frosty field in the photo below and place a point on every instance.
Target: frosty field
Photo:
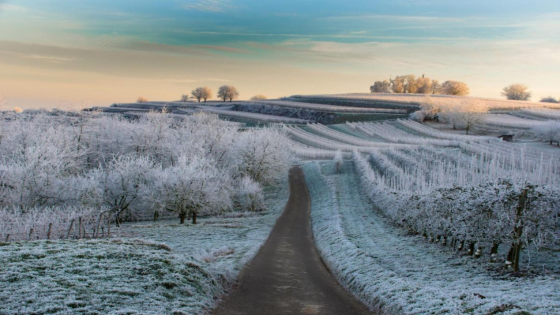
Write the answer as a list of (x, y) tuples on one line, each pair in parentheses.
[(153, 268), (394, 272)]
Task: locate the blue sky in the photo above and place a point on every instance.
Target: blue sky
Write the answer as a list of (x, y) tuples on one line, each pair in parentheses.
[(100, 51)]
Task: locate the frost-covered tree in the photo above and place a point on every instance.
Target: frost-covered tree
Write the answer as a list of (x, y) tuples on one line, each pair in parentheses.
[(202, 93), (404, 84), (124, 182), (424, 85), (465, 115), (264, 154), (141, 99), (381, 87), (228, 92), (192, 187), (455, 88), (436, 87), (517, 92), (249, 194), (259, 97), (184, 98), (549, 132)]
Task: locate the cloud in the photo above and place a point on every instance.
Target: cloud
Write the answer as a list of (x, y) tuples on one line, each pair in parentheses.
[(210, 6), (398, 18), (188, 81), (12, 8), (45, 58)]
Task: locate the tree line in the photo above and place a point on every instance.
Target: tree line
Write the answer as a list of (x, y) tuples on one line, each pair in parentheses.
[(53, 164), (410, 84)]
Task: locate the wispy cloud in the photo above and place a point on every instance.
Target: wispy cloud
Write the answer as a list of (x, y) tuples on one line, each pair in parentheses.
[(406, 18), (12, 8), (40, 57), (210, 5), (189, 81)]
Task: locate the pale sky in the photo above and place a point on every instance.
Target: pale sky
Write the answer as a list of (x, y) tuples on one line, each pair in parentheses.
[(69, 53)]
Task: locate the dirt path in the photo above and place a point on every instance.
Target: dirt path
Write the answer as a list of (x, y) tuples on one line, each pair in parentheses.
[(287, 275)]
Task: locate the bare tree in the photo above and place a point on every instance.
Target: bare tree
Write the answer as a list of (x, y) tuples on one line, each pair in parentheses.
[(228, 92), (141, 99), (455, 88), (381, 87), (184, 98), (258, 97), (517, 92)]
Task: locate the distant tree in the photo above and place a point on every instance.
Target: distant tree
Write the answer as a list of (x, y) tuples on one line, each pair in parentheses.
[(455, 88), (466, 114), (201, 93), (228, 92), (184, 98), (424, 85), (398, 85), (404, 84), (18, 110), (517, 92), (410, 84), (141, 99), (436, 87), (549, 131), (258, 97), (549, 99), (381, 87), (206, 93)]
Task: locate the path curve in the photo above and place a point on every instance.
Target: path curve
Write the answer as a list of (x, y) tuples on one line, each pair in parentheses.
[(287, 276)]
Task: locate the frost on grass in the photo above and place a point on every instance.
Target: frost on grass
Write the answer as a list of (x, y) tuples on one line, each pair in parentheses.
[(167, 268), (102, 277), (396, 273)]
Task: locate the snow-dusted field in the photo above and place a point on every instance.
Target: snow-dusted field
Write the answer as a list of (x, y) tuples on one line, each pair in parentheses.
[(160, 268), (330, 108), (447, 99), (396, 273)]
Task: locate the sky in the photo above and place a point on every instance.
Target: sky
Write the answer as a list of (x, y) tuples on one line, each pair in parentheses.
[(73, 54)]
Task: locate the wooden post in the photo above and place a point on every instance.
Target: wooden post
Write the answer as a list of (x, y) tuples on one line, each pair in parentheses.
[(79, 227), (96, 234), (70, 228), (30, 234), (518, 229), (109, 225), (49, 231), (494, 252)]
